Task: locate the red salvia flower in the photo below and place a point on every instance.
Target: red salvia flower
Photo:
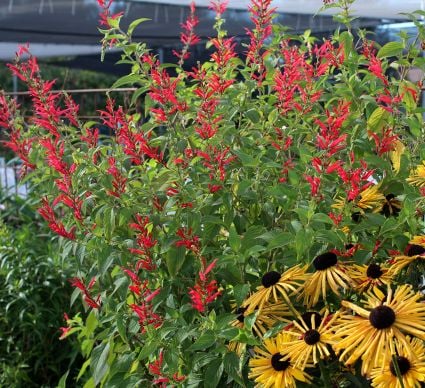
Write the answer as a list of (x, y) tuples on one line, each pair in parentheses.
[(204, 292), (261, 15), (187, 239), (78, 283), (188, 37), (47, 212)]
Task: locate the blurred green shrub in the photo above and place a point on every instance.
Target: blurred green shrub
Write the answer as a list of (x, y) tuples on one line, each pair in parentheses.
[(33, 297)]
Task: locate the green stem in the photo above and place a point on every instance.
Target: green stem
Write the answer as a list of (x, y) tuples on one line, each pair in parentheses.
[(397, 370)]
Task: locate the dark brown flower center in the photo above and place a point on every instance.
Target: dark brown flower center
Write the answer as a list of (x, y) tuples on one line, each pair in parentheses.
[(374, 271), (414, 250), (403, 366), (311, 337), (382, 317), (389, 197), (270, 278), (356, 216), (317, 319), (325, 260), (240, 311), (279, 365)]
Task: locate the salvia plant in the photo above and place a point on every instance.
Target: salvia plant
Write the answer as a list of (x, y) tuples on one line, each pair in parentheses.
[(258, 222)]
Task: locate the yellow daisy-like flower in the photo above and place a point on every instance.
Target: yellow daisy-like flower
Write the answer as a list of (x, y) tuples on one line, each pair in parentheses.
[(275, 284), (370, 333), (414, 252), (339, 203), (269, 316), (395, 155), (368, 276), (417, 175), (312, 340), (411, 367), (370, 198), (271, 366), (330, 272), (418, 240)]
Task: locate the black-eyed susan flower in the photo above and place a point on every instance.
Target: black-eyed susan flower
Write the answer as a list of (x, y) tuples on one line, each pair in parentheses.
[(369, 334), (311, 339), (391, 206), (411, 367), (329, 273), (270, 314), (417, 175), (271, 366), (413, 252), (370, 198), (368, 276), (274, 284)]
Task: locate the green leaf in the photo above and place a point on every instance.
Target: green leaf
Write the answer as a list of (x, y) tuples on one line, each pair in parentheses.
[(204, 341), (377, 119), (234, 239), (175, 259), (391, 49), (232, 367), (99, 363), (135, 23), (130, 79), (62, 381), (148, 349), (213, 374)]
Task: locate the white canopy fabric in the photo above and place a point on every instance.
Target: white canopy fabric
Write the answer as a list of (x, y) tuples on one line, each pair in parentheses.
[(388, 9)]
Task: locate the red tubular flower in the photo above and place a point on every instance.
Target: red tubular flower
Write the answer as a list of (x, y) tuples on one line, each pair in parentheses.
[(187, 240), (66, 329), (78, 283), (46, 211), (261, 15), (204, 292), (145, 242), (314, 184), (188, 36), (219, 7), (118, 182), (105, 14), (384, 143)]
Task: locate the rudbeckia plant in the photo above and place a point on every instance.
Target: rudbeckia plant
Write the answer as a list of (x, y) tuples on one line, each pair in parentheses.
[(256, 220)]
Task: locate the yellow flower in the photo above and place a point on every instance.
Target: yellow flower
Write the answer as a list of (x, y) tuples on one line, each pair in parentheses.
[(269, 316), (330, 272), (370, 198), (312, 340), (370, 333), (417, 176), (271, 366), (368, 276), (418, 240), (414, 252), (395, 155), (275, 284), (411, 366)]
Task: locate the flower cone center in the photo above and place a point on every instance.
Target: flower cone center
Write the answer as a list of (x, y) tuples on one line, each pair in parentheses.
[(270, 278), (311, 337), (403, 366), (279, 365), (317, 319), (382, 317), (374, 271), (240, 311), (415, 250), (325, 260)]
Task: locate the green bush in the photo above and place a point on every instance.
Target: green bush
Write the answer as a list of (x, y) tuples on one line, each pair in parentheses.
[(33, 297)]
